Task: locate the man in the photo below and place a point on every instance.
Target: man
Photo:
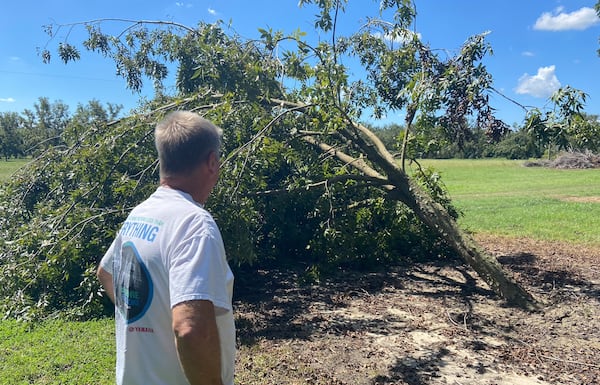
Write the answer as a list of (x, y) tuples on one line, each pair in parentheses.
[(167, 273)]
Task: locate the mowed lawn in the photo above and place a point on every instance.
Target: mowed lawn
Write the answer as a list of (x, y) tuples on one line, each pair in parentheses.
[(7, 168), (57, 352), (497, 196), (503, 197)]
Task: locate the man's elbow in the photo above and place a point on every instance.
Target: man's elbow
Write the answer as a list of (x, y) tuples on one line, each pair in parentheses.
[(193, 333), (103, 275), (195, 320), (106, 280)]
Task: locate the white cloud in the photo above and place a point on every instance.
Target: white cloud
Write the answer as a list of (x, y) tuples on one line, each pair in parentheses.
[(402, 38), (183, 5), (528, 53), (561, 21), (7, 100), (212, 12), (541, 85)]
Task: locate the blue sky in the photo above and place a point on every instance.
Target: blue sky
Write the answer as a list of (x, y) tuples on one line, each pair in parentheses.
[(538, 45)]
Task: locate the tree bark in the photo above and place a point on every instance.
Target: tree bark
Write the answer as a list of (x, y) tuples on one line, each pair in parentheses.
[(410, 115)]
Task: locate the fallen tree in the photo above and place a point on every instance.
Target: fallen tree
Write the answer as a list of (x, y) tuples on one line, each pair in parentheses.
[(61, 213), (399, 186)]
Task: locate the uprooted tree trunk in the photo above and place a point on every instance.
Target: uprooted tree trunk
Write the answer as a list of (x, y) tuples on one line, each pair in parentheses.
[(402, 188)]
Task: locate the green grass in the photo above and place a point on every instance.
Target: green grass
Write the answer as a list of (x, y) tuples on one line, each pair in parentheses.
[(57, 352), (7, 168), (503, 197)]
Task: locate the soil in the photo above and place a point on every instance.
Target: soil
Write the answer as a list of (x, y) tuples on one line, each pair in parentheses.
[(435, 323)]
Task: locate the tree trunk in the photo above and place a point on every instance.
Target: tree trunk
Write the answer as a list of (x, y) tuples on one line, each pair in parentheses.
[(486, 266), (402, 188), (410, 115)]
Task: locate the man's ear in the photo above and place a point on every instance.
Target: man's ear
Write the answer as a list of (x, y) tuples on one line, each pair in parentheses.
[(213, 161)]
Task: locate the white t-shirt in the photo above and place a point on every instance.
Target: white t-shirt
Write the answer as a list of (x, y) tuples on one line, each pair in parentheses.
[(169, 250)]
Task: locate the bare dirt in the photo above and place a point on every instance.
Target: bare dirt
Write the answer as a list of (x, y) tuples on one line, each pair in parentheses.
[(433, 324)]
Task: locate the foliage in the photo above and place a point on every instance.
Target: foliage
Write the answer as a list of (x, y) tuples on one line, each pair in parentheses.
[(431, 180), (517, 145), (585, 133), (45, 124), (31, 132), (11, 137), (564, 126), (59, 213), (301, 179)]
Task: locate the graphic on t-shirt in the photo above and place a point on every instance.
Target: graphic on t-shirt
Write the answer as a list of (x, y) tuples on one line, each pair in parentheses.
[(133, 288), (140, 227)]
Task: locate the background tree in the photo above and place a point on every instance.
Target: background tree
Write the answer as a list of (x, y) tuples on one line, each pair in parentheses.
[(391, 135), (564, 125), (44, 124), (301, 174), (11, 135), (585, 133), (517, 145), (91, 114)]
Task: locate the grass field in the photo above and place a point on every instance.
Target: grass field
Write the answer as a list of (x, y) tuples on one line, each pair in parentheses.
[(7, 168), (57, 352), (505, 198), (497, 197)]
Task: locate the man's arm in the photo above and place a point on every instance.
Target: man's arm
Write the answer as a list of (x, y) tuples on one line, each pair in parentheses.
[(106, 280), (197, 340)]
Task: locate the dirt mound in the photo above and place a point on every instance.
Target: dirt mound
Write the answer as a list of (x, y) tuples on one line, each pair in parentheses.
[(429, 324), (568, 160)]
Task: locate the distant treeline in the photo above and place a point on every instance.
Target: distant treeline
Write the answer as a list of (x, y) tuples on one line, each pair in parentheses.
[(34, 130)]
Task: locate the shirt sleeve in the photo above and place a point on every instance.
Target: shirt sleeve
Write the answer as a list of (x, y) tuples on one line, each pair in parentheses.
[(198, 271)]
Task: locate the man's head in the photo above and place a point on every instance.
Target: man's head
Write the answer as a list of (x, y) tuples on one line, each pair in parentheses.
[(184, 140)]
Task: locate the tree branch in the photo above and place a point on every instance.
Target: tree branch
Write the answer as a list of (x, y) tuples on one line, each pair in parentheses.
[(381, 155), (260, 133), (334, 179), (359, 163), (120, 20)]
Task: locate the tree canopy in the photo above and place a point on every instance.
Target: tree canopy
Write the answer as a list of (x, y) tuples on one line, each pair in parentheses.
[(302, 178)]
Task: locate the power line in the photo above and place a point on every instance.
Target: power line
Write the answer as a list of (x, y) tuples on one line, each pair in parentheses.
[(59, 76)]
